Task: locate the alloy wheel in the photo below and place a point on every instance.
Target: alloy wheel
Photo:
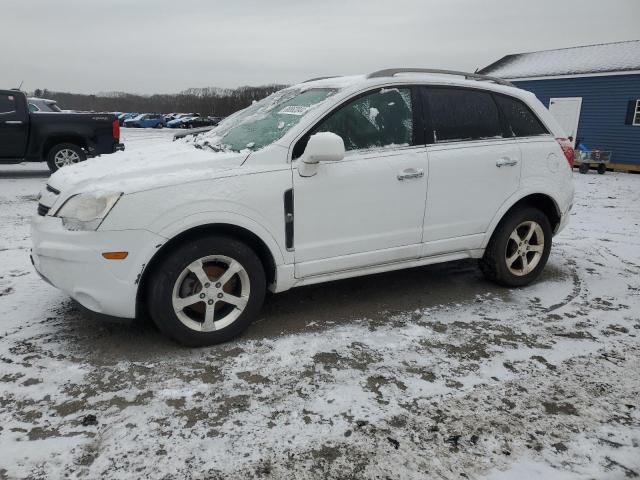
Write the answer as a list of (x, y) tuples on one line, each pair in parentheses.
[(211, 293), (66, 157), (524, 248)]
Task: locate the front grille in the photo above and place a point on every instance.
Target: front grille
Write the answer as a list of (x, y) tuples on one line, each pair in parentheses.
[(42, 210), (52, 190)]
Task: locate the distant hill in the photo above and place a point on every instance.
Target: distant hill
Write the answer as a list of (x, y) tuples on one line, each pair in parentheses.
[(206, 101)]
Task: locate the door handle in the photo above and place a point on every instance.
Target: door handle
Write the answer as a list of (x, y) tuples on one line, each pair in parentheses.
[(14, 122), (410, 173), (506, 162)]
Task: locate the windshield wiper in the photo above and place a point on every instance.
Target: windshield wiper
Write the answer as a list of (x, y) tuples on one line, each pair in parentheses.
[(216, 147)]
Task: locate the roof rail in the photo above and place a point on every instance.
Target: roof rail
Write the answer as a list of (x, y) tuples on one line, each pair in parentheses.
[(318, 78), (390, 72)]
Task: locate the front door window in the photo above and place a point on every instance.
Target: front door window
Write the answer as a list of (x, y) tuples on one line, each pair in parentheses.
[(381, 119)]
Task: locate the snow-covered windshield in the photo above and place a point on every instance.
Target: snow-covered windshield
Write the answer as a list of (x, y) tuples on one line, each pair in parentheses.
[(265, 121)]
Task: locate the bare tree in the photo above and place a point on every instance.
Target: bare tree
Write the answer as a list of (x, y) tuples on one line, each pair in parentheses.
[(205, 101)]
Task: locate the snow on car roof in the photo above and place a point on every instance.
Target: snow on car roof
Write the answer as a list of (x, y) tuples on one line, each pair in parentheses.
[(332, 82), (606, 57)]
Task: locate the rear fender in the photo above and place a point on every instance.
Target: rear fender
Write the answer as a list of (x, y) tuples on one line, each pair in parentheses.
[(514, 199)]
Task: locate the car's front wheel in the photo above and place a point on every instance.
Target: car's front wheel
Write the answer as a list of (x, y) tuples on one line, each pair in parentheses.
[(63, 155), (518, 249), (207, 291)]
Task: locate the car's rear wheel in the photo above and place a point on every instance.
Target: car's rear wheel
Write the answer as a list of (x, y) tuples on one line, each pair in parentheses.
[(207, 291), (63, 155), (518, 249)]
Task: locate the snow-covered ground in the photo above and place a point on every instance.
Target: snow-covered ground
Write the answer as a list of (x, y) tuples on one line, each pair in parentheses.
[(427, 373)]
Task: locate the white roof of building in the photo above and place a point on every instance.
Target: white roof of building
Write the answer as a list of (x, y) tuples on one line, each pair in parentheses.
[(589, 59)]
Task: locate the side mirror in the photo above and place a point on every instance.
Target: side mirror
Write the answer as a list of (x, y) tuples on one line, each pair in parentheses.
[(321, 147)]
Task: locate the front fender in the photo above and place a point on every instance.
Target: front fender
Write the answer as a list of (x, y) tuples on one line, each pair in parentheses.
[(200, 219)]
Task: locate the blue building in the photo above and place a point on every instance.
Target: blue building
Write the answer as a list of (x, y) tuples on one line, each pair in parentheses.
[(593, 91)]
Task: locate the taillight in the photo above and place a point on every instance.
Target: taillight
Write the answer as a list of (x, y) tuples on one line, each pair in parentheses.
[(115, 129), (567, 149)]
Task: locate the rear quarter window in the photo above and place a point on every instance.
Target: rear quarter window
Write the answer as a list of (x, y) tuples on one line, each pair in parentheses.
[(7, 103), (522, 121), (459, 114)]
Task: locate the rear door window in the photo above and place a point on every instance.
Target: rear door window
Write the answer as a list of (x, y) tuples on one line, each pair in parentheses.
[(520, 118), (459, 114), (7, 103), (381, 119)]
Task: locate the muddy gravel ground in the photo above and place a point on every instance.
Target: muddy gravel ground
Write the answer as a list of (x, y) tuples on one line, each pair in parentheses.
[(427, 373)]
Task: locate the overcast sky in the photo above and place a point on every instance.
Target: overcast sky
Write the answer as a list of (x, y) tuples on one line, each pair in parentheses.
[(162, 46)]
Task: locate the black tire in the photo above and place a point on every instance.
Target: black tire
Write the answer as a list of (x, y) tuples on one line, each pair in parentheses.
[(494, 262), (165, 275), (584, 168), (63, 146), (602, 168)]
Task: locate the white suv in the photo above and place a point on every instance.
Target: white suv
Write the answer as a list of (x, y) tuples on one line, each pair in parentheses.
[(328, 179)]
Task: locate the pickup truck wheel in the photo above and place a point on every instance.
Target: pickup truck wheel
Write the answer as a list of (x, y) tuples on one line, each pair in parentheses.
[(207, 291), (518, 249), (64, 154)]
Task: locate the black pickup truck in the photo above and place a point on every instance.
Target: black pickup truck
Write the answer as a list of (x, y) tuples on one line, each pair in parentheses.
[(60, 139)]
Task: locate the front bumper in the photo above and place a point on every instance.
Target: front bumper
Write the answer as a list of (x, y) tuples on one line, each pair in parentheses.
[(72, 261)]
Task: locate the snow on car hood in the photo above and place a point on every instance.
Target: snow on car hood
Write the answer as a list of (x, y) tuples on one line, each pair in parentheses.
[(152, 167)]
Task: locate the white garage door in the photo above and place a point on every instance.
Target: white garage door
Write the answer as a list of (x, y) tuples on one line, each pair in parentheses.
[(567, 112)]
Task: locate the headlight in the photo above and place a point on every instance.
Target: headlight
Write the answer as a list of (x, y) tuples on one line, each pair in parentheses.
[(86, 211)]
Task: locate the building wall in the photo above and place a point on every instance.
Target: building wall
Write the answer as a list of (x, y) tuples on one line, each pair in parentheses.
[(604, 109)]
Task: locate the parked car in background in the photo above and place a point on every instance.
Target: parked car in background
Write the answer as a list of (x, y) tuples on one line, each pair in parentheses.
[(146, 120), (181, 120), (198, 122), (321, 181), (126, 116), (43, 105), (60, 140)]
